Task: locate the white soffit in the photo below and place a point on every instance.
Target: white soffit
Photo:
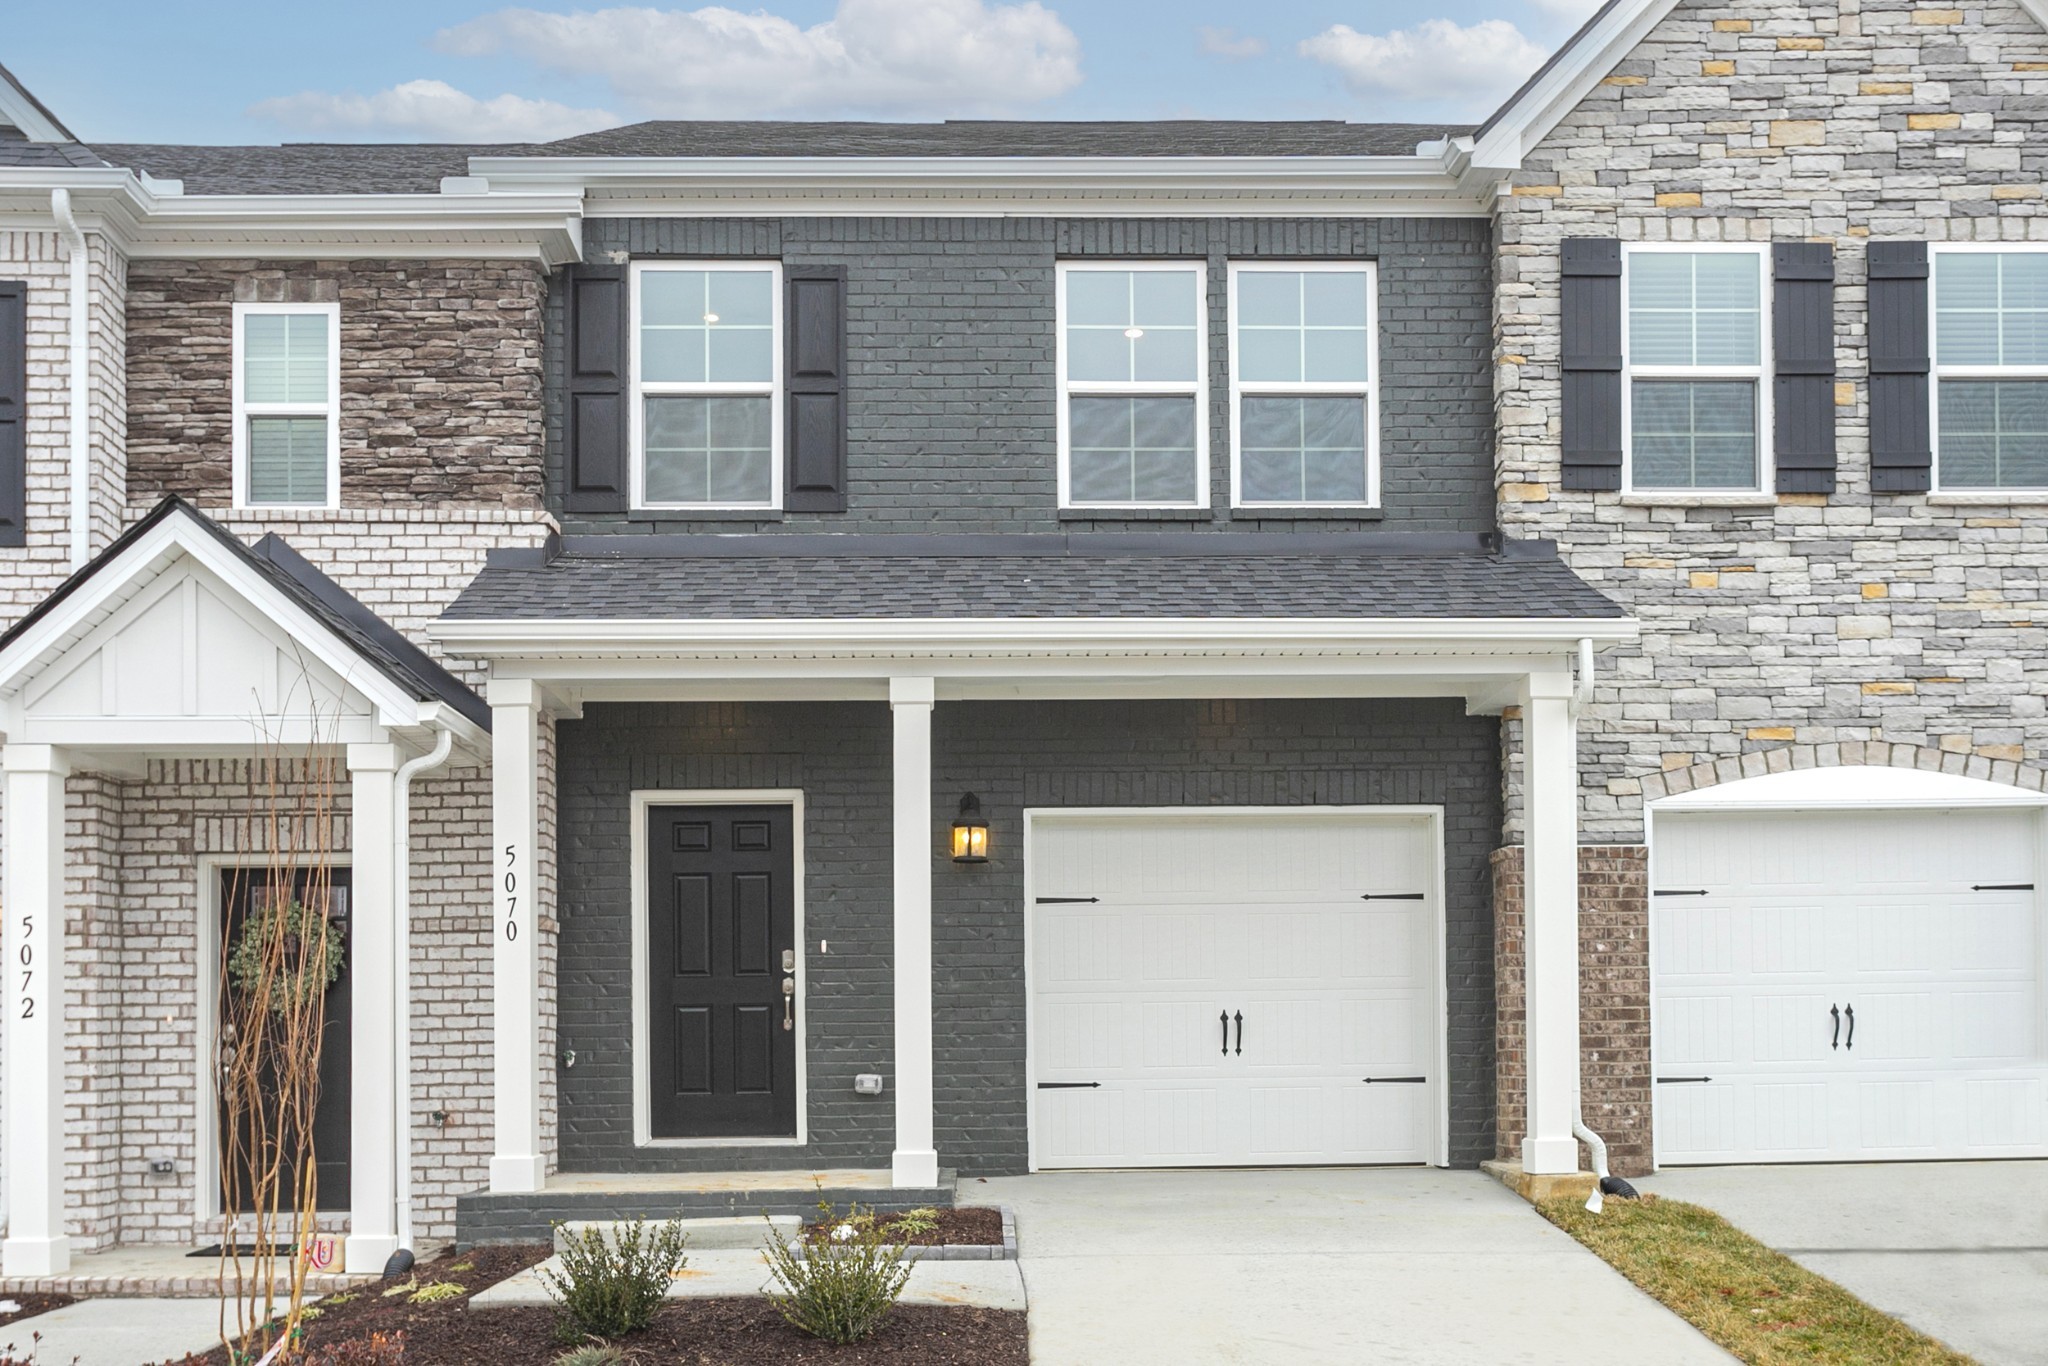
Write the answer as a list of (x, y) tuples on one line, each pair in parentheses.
[(1865, 786)]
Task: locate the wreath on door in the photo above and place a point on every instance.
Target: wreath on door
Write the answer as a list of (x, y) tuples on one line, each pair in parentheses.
[(312, 953)]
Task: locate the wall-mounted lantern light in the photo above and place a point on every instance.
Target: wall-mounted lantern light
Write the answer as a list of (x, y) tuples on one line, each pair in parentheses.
[(970, 832)]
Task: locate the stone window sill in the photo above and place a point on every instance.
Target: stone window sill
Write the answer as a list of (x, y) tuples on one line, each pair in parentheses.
[(1700, 500), (1990, 498)]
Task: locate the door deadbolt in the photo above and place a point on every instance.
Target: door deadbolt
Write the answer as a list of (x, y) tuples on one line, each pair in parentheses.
[(789, 960)]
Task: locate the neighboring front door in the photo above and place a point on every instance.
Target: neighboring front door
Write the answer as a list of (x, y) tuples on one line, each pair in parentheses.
[(721, 969), (241, 890)]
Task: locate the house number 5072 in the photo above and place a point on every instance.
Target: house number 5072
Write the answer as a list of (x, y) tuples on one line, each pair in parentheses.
[(28, 966), (511, 892)]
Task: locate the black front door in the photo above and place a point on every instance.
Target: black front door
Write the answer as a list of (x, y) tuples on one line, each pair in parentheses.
[(721, 945), (241, 891)]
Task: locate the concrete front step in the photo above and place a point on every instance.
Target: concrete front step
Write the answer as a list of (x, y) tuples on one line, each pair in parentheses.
[(716, 1274), (588, 1197)]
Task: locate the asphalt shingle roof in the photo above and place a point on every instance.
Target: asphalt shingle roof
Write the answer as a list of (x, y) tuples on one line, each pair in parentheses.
[(1528, 581), (417, 168)]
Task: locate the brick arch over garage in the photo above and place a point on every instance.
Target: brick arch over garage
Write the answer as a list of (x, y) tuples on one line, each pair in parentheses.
[(1848, 753)]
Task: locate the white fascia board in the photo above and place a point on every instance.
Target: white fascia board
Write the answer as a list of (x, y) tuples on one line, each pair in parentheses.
[(1592, 53), (1424, 181), (73, 618), (1009, 637)]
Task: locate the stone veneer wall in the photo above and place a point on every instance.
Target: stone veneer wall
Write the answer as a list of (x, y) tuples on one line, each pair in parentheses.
[(1801, 620), (1614, 1002), (440, 376)]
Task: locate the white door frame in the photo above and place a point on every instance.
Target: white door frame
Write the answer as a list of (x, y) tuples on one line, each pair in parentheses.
[(1841, 787), (206, 1202), (1433, 814), (644, 800)]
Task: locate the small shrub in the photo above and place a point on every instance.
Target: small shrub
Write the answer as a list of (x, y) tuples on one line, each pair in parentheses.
[(379, 1349), (611, 1286), (913, 1224), (434, 1291), (594, 1354), (841, 1287)]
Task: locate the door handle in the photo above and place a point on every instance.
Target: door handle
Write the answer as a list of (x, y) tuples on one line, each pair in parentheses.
[(1835, 1039), (788, 1003), (1850, 1042), (1240, 1032), (1224, 1019)]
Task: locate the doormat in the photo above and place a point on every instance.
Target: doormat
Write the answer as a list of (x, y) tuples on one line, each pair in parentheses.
[(242, 1250)]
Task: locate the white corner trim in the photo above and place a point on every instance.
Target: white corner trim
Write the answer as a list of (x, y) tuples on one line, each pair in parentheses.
[(643, 800), (1849, 786), (1532, 112), (78, 373)]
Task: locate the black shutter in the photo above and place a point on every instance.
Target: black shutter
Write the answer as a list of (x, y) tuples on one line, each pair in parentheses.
[(13, 412), (594, 420), (1803, 356), (1590, 415), (814, 372), (1901, 444)]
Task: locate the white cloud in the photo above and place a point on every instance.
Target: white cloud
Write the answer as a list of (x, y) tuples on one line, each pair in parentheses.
[(1437, 60), (1577, 11), (432, 111), (877, 57), (1226, 42)]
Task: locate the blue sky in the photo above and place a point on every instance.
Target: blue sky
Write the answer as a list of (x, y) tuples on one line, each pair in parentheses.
[(243, 71)]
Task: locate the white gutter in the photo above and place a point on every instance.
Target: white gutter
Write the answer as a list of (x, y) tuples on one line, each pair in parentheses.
[(79, 380), (401, 977)]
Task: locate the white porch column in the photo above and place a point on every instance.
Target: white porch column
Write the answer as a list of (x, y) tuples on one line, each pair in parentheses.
[(1550, 921), (516, 1160), (373, 1007), (915, 1161), (33, 1125)]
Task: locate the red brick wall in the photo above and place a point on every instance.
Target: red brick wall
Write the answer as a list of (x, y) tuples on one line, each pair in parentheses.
[(1614, 1000), (440, 377)]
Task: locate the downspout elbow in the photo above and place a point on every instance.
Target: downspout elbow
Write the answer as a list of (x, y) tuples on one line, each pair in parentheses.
[(79, 380), (1582, 687)]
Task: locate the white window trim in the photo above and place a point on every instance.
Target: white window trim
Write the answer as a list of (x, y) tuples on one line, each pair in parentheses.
[(1760, 373), (1937, 372), (641, 390), (1369, 390), (1199, 388), (243, 410)]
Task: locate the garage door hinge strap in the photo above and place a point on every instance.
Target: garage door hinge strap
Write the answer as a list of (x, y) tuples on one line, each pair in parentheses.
[(1666, 1081), (1068, 1085), (1389, 1081), (2001, 886), (1666, 891), (1391, 896), (1066, 900)]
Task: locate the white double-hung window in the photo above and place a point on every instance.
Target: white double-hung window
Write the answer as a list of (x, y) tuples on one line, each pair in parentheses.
[(286, 408), (1302, 367), (707, 370), (1990, 389), (1695, 354), (1133, 391)]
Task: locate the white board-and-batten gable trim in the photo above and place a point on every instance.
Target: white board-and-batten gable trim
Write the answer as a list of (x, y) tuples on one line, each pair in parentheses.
[(177, 591)]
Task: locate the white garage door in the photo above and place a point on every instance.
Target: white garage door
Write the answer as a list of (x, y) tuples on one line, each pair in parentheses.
[(1847, 986), (1236, 989)]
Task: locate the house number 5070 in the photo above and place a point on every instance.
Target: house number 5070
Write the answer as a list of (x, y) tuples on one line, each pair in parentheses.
[(511, 892)]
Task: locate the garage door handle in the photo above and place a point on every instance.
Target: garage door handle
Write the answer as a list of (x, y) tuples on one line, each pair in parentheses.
[(2001, 886), (1850, 1042), (1674, 1081), (1392, 896), (1395, 1081), (1835, 1040), (1068, 1085), (1240, 1033), (1223, 1018)]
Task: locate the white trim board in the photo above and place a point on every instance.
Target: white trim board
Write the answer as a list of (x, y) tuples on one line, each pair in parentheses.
[(642, 801), (1033, 817), (1848, 786)]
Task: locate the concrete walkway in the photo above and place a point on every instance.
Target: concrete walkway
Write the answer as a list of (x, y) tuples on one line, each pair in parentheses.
[(113, 1332), (1957, 1249), (1398, 1266)]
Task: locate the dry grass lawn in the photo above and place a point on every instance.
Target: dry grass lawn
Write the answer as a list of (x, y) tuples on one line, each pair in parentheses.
[(1759, 1304)]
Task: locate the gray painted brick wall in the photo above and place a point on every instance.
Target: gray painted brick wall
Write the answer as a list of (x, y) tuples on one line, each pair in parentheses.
[(1013, 755), (951, 376)]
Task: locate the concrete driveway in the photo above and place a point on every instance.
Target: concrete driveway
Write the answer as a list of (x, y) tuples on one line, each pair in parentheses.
[(1957, 1249), (1389, 1266)]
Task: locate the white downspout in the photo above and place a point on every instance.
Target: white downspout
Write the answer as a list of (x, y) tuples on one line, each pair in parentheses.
[(402, 970), (1582, 697), (80, 378)]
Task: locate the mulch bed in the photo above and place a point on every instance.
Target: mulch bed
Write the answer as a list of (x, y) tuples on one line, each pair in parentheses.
[(957, 1227), (34, 1304)]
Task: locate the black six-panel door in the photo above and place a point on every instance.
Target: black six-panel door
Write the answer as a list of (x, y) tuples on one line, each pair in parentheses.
[(721, 940)]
